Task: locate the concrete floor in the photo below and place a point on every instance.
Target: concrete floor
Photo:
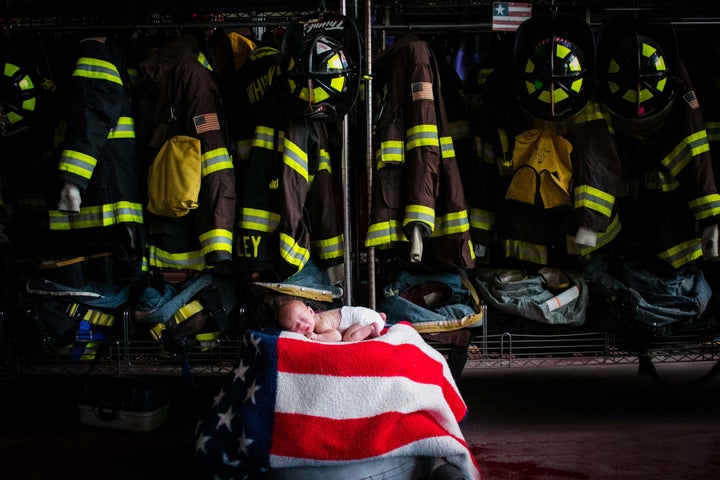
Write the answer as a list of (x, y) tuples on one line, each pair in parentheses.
[(590, 422), (599, 423)]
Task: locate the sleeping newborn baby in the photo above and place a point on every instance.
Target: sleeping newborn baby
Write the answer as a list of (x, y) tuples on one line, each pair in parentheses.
[(347, 324)]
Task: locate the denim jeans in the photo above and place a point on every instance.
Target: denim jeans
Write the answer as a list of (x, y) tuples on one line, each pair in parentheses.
[(683, 294)]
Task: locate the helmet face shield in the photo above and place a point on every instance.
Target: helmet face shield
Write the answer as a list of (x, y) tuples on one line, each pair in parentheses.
[(323, 70), (637, 71), (18, 96), (554, 79), (554, 66), (637, 83)]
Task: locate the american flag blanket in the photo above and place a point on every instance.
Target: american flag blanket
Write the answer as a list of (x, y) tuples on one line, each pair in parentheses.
[(293, 402)]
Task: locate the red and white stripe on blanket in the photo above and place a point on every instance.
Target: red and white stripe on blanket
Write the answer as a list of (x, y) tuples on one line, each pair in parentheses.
[(295, 402)]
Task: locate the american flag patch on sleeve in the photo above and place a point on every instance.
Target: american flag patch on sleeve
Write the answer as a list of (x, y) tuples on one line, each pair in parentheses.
[(691, 100), (422, 91), (206, 123)]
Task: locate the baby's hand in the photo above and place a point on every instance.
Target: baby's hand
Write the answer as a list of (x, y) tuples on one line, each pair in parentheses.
[(312, 336)]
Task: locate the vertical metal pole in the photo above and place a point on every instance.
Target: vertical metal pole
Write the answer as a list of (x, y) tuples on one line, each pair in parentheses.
[(372, 302), (347, 226)]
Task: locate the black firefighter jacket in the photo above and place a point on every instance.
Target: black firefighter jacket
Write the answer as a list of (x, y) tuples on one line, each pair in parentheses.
[(177, 73)]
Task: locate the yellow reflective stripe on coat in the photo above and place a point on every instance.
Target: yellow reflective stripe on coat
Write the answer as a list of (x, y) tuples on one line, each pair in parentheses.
[(293, 253), (713, 131), (391, 151), (324, 161), (202, 60), (97, 216), (259, 220), (422, 136), (186, 311), (295, 158), (451, 223), (216, 160), (683, 253), (447, 148), (602, 239), (77, 163), (158, 257), (217, 240), (689, 147), (420, 213), (330, 248), (383, 233), (98, 69), (264, 138), (125, 128), (482, 219), (532, 252), (704, 207), (595, 199)]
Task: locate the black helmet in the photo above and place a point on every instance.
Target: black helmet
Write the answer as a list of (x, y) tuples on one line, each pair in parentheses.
[(554, 79), (636, 69), (322, 65), (554, 64), (19, 90)]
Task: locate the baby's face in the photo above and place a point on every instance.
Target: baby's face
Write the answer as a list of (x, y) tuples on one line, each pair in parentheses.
[(299, 318)]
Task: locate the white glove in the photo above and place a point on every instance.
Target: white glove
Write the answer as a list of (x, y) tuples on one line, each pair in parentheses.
[(69, 199), (416, 245), (710, 242), (586, 237)]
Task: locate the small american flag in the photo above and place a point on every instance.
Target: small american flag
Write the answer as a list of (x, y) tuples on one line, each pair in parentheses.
[(691, 99), (422, 91), (206, 123), (507, 16)]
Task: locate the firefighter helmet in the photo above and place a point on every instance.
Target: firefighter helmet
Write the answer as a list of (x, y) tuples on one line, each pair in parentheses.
[(322, 65), (637, 79), (554, 79), (19, 90), (553, 65)]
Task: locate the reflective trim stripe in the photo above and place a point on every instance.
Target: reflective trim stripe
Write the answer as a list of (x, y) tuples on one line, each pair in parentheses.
[(97, 69), (603, 238), (242, 148), (216, 240), (295, 158), (713, 131), (259, 220), (391, 151), (324, 162), (422, 136), (420, 213), (531, 252), (383, 233), (264, 138), (452, 223), (77, 163), (202, 59), (482, 219), (216, 160), (594, 199), (187, 260), (683, 253), (330, 248), (125, 128), (681, 155), (447, 148), (293, 253), (97, 216), (704, 207), (94, 317)]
